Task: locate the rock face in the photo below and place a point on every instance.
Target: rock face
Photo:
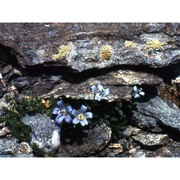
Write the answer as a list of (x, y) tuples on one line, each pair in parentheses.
[(9, 148), (44, 132), (97, 138), (157, 111), (65, 60)]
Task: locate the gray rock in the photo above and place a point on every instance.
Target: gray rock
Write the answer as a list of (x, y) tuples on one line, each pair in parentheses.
[(149, 139), (157, 111), (97, 138), (120, 83), (37, 43), (129, 131), (44, 132), (9, 148)]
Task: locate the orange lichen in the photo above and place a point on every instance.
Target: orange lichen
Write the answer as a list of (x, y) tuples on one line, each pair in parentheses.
[(106, 52)]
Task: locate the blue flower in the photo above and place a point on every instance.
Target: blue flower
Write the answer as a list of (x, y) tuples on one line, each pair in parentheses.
[(62, 112), (81, 116), (100, 92), (137, 93)]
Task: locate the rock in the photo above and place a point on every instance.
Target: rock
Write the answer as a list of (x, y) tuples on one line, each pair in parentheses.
[(4, 131), (157, 111), (129, 131), (9, 148), (149, 139), (25, 148), (119, 82), (97, 138), (132, 44), (44, 132)]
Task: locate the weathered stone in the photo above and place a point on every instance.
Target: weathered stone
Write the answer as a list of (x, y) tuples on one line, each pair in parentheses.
[(119, 82), (97, 138), (44, 132), (25, 148), (129, 131), (157, 111), (9, 148), (38, 42), (4, 131), (149, 139)]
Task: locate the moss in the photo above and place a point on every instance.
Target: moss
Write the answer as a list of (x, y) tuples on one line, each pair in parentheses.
[(38, 152), (18, 109), (18, 129), (63, 50), (155, 44), (106, 52), (129, 44)]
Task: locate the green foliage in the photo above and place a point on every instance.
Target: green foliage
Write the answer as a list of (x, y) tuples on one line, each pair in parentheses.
[(38, 152), (19, 108), (18, 129)]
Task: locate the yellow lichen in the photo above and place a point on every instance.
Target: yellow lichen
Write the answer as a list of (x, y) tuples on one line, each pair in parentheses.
[(63, 50), (129, 44), (106, 52), (155, 44)]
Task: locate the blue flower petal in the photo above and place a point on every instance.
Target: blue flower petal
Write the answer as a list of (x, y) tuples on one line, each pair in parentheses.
[(84, 122), (135, 88), (68, 118), (83, 109), (88, 115), (136, 95), (75, 121), (100, 87), (68, 109), (142, 93), (60, 104), (106, 92), (94, 88), (75, 113), (59, 119), (55, 111), (97, 97)]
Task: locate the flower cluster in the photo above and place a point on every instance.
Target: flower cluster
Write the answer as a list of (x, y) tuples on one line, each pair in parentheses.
[(69, 114), (100, 92), (137, 93)]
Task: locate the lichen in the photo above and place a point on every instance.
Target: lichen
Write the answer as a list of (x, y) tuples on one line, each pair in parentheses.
[(106, 52), (155, 44), (129, 44), (63, 50)]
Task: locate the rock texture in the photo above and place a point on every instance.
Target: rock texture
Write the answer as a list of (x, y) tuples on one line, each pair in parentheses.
[(157, 111), (44, 132), (9, 148), (97, 138), (66, 59)]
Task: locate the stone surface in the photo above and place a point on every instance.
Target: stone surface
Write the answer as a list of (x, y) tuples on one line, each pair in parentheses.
[(44, 132), (120, 83), (9, 148), (4, 131), (129, 131), (25, 148), (157, 111), (149, 139), (97, 138), (35, 44)]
